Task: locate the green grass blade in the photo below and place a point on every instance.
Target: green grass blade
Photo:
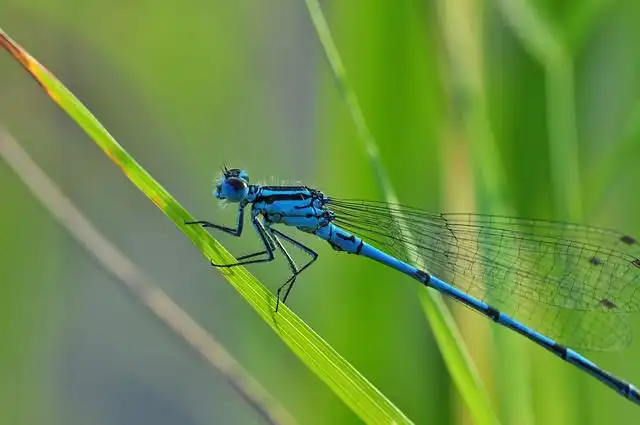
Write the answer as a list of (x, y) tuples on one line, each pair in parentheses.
[(449, 340), (539, 38), (358, 393)]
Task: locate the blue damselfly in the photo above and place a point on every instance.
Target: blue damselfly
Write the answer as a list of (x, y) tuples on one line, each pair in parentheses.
[(573, 284)]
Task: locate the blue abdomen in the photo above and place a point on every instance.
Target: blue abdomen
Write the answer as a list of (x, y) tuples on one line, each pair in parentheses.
[(342, 240)]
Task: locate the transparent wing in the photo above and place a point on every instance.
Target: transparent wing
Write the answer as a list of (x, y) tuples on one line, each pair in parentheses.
[(572, 282)]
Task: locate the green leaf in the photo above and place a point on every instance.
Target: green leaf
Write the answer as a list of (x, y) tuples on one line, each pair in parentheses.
[(358, 393)]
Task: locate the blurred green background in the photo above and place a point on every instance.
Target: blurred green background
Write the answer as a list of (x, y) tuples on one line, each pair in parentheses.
[(530, 108)]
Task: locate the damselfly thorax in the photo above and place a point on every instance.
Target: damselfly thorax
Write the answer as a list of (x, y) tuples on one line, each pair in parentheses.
[(296, 206)]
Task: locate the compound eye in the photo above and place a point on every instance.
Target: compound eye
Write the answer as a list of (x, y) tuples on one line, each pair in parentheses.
[(235, 189)]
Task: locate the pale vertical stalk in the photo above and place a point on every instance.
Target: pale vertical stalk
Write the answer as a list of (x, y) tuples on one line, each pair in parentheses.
[(447, 335), (461, 25)]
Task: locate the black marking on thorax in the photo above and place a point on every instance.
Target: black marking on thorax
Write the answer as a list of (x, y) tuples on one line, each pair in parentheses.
[(349, 238), (286, 188), (301, 193)]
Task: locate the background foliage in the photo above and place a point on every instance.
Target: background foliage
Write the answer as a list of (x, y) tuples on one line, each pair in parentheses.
[(528, 107)]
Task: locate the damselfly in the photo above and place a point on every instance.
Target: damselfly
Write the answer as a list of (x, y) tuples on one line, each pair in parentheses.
[(570, 282)]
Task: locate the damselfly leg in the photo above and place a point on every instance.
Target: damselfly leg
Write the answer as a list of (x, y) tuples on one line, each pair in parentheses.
[(235, 232), (296, 272), (270, 238), (264, 237)]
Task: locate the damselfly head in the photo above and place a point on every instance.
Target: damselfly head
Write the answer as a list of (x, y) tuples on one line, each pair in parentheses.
[(233, 185), (234, 172)]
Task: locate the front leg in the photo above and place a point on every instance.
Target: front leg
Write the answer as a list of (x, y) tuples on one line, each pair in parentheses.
[(235, 232), (238, 232)]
